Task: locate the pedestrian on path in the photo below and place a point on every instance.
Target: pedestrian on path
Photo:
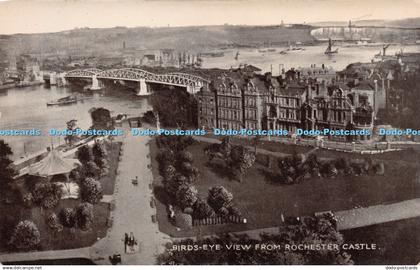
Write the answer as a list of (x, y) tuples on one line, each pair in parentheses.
[(125, 242)]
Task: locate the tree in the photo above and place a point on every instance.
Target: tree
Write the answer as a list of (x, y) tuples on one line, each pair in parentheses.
[(219, 197), (309, 231), (6, 173), (165, 158), (202, 210), (241, 158), (175, 108), (47, 194), (90, 169), (101, 119), (25, 236), (71, 126), (91, 190), (84, 216), (174, 143), (186, 196), (185, 156)]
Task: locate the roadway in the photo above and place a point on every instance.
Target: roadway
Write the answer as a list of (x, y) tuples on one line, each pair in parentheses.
[(132, 212)]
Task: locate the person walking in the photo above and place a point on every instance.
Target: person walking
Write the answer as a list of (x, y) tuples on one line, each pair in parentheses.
[(125, 242)]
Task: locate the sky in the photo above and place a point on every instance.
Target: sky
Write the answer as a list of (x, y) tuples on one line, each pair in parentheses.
[(38, 16)]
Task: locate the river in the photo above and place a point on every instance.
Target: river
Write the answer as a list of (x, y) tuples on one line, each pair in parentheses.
[(25, 108), (304, 58)]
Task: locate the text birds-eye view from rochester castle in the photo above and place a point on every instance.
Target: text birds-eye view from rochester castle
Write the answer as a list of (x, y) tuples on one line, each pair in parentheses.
[(209, 132)]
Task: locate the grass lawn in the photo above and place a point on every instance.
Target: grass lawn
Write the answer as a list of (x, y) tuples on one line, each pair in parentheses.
[(262, 202), (404, 155), (108, 181), (398, 243), (67, 239)]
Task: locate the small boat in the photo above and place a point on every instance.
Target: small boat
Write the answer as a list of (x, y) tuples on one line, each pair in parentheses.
[(237, 55), (283, 52), (63, 101), (213, 54)]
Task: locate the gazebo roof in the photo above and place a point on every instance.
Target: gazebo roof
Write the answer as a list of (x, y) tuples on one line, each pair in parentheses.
[(53, 164)]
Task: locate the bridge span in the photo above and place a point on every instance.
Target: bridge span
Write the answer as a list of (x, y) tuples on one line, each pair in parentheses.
[(192, 83)]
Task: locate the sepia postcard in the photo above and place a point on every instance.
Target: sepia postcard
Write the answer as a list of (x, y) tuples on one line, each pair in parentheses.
[(209, 132)]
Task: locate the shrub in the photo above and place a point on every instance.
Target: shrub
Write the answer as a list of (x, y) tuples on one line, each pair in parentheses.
[(189, 171), (67, 217), (25, 236), (223, 212), (234, 211), (91, 190), (77, 174), (188, 211), (169, 172), (379, 168), (165, 158), (183, 221), (28, 200), (84, 154), (202, 210), (84, 216)]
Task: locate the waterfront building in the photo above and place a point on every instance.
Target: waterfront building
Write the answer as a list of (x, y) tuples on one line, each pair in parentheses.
[(233, 101), (283, 105), (238, 99), (229, 104), (340, 106), (206, 102)]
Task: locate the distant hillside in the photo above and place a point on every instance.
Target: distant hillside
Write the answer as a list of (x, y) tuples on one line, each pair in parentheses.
[(409, 23), (198, 38)]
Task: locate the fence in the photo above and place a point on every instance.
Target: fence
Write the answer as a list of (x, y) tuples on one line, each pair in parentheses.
[(218, 220), (363, 148)]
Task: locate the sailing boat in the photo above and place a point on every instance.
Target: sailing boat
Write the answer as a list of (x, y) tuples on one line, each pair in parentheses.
[(237, 55), (329, 49)]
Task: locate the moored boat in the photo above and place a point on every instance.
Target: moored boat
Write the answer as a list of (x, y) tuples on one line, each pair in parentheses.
[(63, 101)]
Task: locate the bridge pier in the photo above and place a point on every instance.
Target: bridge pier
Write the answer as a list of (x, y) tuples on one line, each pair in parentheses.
[(96, 84), (53, 78), (143, 89)]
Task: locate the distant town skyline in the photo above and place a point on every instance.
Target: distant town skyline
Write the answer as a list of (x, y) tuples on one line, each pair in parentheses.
[(39, 16)]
